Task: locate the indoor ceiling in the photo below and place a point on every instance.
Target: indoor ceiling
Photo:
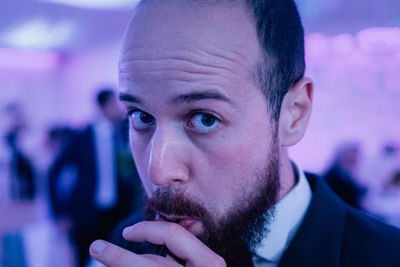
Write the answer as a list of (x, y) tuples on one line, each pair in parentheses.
[(83, 24)]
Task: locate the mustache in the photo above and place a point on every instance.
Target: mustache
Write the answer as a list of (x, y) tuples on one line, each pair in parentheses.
[(175, 203)]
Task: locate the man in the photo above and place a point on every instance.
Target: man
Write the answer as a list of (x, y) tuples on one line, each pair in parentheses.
[(92, 182), (21, 170), (341, 176), (215, 94)]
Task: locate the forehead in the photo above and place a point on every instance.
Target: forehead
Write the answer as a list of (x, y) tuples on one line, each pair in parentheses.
[(178, 47), (158, 27)]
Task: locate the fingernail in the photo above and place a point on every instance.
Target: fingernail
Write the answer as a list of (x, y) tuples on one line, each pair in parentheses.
[(98, 246), (127, 230)]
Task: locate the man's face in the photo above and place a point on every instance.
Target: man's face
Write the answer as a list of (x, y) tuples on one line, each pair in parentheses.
[(200, 129)]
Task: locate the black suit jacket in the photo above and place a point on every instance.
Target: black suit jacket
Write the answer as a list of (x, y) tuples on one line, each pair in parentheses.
[(81, 206), (331, 234), (334, 234)]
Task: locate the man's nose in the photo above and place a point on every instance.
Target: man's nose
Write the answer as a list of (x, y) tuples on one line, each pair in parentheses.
[(168, 158)]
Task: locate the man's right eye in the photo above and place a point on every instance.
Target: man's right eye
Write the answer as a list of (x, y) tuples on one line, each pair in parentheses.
[(141, 120)]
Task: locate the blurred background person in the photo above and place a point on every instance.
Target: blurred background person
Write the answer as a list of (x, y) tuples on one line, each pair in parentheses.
[(93, 182), (17, 181), (21, 173), (377, 170), (57, 137), (341, 176), (383, 199)]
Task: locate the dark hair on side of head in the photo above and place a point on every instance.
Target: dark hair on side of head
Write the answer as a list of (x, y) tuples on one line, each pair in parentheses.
[(281, 36), (104, 95)]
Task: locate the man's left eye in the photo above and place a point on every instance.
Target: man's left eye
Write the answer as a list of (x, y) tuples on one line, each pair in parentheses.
[(204, 122)]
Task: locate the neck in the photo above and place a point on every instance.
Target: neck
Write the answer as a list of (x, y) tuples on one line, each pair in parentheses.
[(287, 176)]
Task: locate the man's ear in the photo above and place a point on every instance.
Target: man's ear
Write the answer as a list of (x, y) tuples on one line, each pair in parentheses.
[(295, 112)]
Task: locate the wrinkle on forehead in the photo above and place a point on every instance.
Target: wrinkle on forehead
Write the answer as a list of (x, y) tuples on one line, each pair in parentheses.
[(200, 2), (175, 21), (214, 53), (177, 40), (185, 60)]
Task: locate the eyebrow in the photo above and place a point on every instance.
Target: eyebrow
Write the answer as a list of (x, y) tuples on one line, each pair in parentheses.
[(129, 98), (186, 98), (197, 96)]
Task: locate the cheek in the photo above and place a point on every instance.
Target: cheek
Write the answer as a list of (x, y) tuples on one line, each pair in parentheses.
[(230, 170), (242, 150), (141, 161)]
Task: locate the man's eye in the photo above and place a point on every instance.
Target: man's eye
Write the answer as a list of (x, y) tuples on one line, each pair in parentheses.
[(204, 122), (141, 120)]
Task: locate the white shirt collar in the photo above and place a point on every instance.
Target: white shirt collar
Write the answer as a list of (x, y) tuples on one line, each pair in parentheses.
[(289, 213), (103, 126)]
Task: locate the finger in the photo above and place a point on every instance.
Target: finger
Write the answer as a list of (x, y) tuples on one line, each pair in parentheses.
[(179, 241), (114, 256)]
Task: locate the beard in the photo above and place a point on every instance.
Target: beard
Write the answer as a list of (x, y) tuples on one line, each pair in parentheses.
[(235, 235)]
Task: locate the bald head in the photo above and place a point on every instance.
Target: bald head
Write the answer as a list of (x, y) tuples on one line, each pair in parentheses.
[(166, 25), (268, 35)]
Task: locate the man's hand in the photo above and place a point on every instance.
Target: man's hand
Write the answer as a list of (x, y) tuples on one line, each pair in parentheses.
[(178, 240)]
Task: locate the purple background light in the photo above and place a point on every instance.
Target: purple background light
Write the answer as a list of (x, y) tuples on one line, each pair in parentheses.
[(357, 90), (352, 55), (13, 59)]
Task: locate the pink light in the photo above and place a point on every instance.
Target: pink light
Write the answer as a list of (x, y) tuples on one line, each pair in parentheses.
[(379, 39), (28, 59), (97, 4), (317, 45), (344, 44)]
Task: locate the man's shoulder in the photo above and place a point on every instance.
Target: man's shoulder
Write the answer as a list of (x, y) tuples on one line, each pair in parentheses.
[(356, 222), (79, 137), (334, 234), (344, 234), (367, 224), (369, 242)]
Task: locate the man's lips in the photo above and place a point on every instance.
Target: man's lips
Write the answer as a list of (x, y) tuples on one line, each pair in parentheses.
[(186, 222)]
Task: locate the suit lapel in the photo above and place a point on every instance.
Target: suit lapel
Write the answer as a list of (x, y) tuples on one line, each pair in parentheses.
[(318, 240)]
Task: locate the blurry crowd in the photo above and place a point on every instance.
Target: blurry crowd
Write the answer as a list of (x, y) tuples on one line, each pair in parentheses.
[(372, 184), (90, 182)]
